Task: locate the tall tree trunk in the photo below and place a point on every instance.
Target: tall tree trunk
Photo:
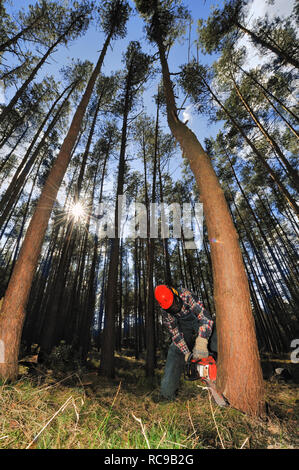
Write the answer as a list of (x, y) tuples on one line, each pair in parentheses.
[(182, 275), (87, 148), (14, 188), (7, 157), (92, 284), (136, 296), (263, 235), (167, 269), (50, 327), (270, 333), (150, 312), (25, 217), (240, 381), (13, 307), (266, 93), (270, 319), (108, 342)]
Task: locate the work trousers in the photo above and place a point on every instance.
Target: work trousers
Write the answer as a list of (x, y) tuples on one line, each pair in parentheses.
[(175, 362)]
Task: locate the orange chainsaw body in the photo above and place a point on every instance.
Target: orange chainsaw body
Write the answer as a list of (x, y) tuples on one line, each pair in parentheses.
[(207, 368), (204, 368)]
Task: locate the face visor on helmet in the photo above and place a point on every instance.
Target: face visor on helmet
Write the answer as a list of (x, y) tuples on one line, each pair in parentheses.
[(168, 299)]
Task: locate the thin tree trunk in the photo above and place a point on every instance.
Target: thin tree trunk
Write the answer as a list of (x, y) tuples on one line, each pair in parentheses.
[(167, 269), (25, 217), (273, 327), (14, 39), (266, 92), (17, 181), (108, 343), (50, 328), (263, 235), (240, 381), (136, 295), (273, 48), (21, 90), (150, 312), (7, 157), (290, 170), (271, 172), (271, 332)]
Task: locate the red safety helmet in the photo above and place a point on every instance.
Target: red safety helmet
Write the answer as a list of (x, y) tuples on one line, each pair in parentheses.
[(165, 296)]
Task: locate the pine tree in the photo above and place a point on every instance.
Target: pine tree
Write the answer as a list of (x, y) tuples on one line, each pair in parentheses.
[(231, 290), (13, 307)]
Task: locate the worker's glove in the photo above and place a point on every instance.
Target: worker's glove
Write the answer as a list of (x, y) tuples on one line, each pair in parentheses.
[(200, 349)]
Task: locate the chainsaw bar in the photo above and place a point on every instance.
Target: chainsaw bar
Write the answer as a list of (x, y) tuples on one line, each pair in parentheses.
[(218, 397)]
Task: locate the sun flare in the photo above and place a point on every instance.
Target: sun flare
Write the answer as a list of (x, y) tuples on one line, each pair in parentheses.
[(77, 211)]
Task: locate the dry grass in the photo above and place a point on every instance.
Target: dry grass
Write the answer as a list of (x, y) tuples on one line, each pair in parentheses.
[(81, 410)]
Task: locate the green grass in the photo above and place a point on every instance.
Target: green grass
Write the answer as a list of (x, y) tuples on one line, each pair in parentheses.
[(78, 409)]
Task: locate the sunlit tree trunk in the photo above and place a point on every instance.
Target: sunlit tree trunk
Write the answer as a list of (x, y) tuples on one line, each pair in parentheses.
[(239, 371), (13, 308)]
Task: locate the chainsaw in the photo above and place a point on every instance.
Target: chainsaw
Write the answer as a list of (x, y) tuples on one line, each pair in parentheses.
[(205, 370)]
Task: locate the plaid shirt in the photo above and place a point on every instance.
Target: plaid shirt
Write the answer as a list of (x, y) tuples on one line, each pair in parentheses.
[(190, 304)]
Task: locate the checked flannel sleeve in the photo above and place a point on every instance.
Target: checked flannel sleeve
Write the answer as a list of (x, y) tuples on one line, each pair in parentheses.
[(204, 317), (176, 336)]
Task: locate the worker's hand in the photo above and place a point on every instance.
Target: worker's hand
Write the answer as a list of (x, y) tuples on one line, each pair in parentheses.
[(200, 349)]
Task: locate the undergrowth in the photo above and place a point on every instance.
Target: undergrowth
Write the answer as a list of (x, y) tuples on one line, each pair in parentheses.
[(78, 409)]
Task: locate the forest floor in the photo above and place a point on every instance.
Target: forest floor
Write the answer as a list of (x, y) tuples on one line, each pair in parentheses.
[(68, 407)]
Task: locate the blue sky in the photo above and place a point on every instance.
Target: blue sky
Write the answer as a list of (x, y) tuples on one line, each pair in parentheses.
[(88, 46)]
